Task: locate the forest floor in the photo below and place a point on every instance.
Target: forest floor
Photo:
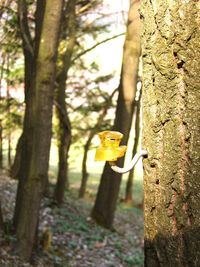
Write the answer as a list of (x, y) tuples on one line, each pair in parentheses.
[(76, 240)]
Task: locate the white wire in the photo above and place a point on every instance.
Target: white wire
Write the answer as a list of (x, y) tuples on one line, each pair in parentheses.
[(135, 159)]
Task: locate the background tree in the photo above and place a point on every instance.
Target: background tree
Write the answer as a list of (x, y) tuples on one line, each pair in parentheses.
[(171, 112), (29, 32), (136, 121), (1, 220), (76, 27), (35, 157), (100, 124), (10, 73), (10, 122), (64, 126), (106, 200), (30, 52), (1, 126)]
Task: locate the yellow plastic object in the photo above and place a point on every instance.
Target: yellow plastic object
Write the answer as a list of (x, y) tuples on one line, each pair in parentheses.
[(109, 149)]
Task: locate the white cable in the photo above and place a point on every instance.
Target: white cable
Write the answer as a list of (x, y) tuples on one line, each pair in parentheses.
[(135, 159)]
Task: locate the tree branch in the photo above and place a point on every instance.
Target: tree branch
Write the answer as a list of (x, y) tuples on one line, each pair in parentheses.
[(63, 115), (94, 46), (23, 24)]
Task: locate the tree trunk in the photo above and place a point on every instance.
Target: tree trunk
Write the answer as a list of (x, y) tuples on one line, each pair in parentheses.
[(1, 128), (1, 220), (129, 184), (92, 133), (84, 166), (171, 124), (64, 136), (105, 204), (64, 127), (14, 171), (35, 154), (1, 146), (9, 150), (23, 150), (8, 112), (30, 50)]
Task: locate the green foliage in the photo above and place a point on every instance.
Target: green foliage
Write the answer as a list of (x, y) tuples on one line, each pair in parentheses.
[(8, 232), (11, 111), (79, 224), (71, 221), (136, 260), (16, 74), (58, 260), (93, 102)]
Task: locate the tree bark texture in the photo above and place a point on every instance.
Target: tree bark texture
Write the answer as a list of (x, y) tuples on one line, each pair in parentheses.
[(64, 126), (35, 155), (171, 127), (106, 200)]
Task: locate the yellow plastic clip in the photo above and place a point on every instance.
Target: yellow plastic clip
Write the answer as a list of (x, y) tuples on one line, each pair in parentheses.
[(109, 149)]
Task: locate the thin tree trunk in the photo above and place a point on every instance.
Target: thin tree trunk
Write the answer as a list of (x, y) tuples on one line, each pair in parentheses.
[(129, 184), (8, 112), (14, 171), (88, 143), (1, 220), (106, 200), (171, 123), (64, 135), (1, 146), (1, 128), (35, 157), (9, 150), (64, 131), (84, 166)]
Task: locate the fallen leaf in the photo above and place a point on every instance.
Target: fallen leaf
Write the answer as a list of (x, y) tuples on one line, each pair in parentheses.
[(100, 244)]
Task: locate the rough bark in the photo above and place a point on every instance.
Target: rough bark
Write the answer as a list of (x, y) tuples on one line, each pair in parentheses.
[(105, 204), (64, 127), (35, 155), (171, 126)]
